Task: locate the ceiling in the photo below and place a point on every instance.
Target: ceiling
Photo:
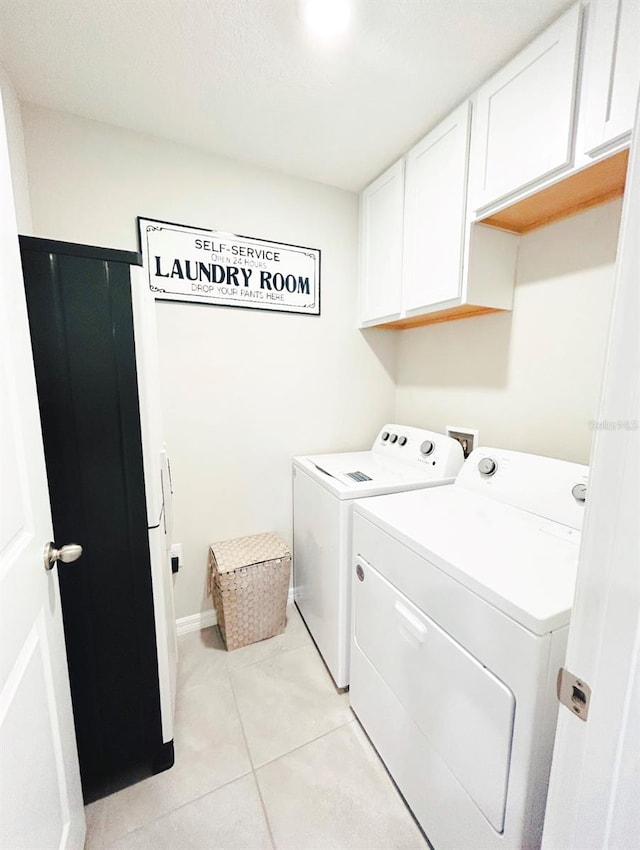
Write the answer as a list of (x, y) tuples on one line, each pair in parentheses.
[(240, 77)]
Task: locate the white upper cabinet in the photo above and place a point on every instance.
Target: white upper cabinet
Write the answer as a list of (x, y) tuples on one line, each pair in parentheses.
[(524, 115), (381, 222), (611, 72), (448, 266), (434, 220), (546, 140)]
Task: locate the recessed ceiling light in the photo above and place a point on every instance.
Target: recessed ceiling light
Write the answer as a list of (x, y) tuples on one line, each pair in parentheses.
[(326, 18)]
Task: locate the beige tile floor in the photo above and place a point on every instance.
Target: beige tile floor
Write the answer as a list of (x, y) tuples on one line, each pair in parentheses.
[(268, 755)]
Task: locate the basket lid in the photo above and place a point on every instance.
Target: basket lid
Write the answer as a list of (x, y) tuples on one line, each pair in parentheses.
[(244, 551)]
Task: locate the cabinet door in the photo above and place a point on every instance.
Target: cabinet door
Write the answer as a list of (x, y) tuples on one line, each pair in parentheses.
[(612, 71), (381, 211), (524, 114), (435, 205)]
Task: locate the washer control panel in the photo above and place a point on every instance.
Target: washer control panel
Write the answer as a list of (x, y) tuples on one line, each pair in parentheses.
[(438, 452)]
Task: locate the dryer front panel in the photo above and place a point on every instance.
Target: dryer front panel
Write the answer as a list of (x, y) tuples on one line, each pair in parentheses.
[(454, 702)]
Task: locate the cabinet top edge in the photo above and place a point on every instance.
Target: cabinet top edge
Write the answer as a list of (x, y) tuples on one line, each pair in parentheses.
[(35, 244)]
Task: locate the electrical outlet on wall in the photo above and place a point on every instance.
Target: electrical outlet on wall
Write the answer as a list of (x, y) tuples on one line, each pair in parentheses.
[(176, 557), (469, 438)]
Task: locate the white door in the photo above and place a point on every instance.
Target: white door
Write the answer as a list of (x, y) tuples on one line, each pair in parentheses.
[(612, 71), (40, 794), (594, 791), (523, 118), (434, 218), (380, 275)]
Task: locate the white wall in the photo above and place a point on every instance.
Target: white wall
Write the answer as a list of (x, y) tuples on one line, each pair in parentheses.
[(528, 379), (15, 142), (243, 390)]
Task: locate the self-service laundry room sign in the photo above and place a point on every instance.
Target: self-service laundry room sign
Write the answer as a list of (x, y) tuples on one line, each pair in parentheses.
[(190, 264)]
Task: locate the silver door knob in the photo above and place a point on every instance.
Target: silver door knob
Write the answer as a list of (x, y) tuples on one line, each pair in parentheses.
[(68, 553)]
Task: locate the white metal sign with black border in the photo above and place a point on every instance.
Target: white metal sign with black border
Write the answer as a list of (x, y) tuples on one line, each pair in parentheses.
[(193, 264)]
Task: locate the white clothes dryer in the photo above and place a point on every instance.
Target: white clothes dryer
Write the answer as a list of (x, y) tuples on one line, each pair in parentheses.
[(461, 605), (325, 487)]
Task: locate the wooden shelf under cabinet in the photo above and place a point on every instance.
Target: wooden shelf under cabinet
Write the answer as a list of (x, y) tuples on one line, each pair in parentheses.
[(598, 183), (464, 311)]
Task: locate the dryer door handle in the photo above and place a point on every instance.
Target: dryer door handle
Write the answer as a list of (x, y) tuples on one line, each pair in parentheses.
[(410, 625)]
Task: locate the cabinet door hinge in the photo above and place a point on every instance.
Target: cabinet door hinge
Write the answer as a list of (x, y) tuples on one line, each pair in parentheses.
[(573, 693)]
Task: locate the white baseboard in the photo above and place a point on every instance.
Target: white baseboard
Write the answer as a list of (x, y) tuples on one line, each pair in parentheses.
[(195, 622)]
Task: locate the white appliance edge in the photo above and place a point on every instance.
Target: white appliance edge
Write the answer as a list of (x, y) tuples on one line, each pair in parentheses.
[(158, 495)]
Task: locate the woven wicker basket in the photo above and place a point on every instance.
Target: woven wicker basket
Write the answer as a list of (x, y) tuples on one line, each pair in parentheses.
[(249, 582)]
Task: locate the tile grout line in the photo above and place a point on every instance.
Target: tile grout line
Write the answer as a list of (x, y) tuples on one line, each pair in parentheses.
[(269, 658), (193, 799), (253, 769), (281, 651), (176, 808), (310, 741)]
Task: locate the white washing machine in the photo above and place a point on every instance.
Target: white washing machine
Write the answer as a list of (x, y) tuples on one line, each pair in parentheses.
[(325, 487), (461, 605)]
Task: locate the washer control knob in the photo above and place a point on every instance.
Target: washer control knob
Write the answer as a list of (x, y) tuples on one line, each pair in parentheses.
[(385, 436), (393, 438), (579, 492), (402, 441), (487, 466), (427, 447)]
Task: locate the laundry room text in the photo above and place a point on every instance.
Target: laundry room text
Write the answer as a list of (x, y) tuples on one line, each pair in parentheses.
[(184, 264)]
